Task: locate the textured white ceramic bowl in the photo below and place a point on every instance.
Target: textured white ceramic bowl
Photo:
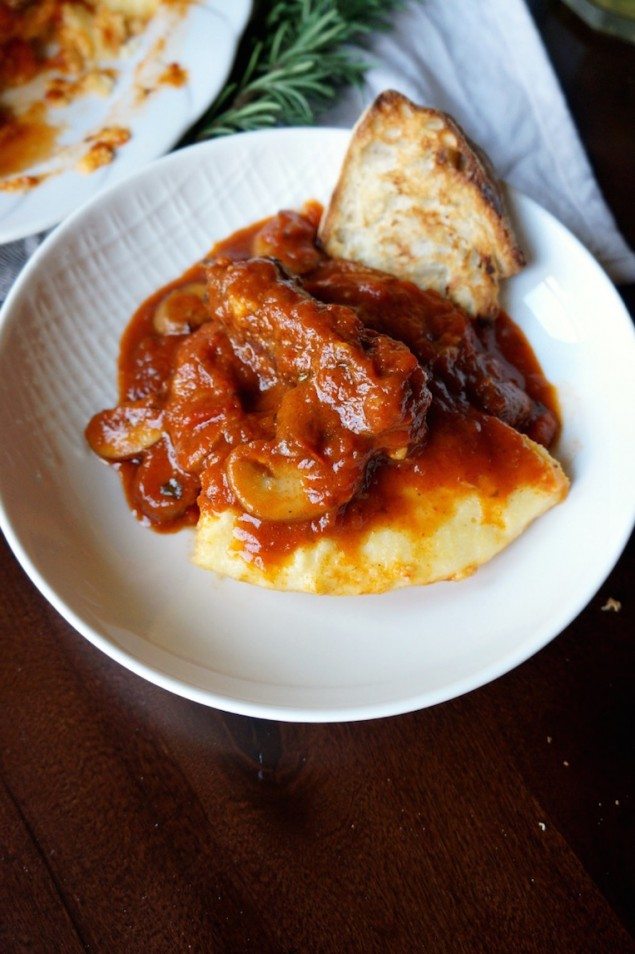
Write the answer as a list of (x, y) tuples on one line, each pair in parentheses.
[(135, 594), (203, 41)]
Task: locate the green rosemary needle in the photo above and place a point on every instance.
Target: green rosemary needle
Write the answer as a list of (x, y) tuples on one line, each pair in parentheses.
[(292, 63)]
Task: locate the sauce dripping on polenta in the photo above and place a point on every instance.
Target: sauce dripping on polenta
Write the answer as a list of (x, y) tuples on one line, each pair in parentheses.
[(216, 402)]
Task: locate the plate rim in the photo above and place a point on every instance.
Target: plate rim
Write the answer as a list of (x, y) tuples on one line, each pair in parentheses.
[(44, 223), (295, 713)]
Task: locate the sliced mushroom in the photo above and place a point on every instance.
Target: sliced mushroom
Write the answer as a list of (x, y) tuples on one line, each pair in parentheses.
[(161, 490), (271, 487), (125, 431), (181, 310)]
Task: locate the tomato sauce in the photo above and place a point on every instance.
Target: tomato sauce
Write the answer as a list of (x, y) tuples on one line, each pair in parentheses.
[(440, 399)]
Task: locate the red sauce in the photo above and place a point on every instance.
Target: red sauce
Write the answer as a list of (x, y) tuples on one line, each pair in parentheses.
[(440, 401), (25, 140)]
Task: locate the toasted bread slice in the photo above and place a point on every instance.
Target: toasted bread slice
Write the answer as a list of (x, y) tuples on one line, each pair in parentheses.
[(416, 198)]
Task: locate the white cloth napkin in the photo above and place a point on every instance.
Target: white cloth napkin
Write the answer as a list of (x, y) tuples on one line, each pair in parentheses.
[(483, 62)]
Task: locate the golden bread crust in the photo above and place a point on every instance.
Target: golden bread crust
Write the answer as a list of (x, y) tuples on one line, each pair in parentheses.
[(417, 199)]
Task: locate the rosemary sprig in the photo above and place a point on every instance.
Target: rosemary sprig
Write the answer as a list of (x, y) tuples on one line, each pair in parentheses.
[(292, 63)]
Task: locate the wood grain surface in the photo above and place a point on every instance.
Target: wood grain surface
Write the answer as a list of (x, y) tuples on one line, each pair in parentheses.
[(132, 820)]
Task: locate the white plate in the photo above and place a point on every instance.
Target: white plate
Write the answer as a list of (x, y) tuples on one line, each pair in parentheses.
[(135, 594), (203, 41)]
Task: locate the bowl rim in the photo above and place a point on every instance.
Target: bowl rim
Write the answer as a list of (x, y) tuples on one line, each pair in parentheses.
[(290, 713)]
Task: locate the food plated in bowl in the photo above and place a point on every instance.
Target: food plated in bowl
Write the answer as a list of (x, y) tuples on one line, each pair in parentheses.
[(331, 427), (297, 656)]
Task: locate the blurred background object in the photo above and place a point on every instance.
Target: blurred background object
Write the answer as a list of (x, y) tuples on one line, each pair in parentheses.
[(616, 17)]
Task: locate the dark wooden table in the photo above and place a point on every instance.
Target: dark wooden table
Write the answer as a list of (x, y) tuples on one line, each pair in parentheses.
[(132, 820)]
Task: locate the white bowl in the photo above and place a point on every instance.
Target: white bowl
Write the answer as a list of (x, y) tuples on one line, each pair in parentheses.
[(135, 595)]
